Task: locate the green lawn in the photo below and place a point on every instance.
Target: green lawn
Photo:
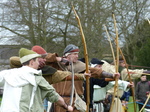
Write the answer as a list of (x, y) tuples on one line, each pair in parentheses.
[(131, 106)]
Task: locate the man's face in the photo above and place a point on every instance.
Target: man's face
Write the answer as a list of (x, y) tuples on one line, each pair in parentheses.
[(122, 64), (73, 57), (143, 78)]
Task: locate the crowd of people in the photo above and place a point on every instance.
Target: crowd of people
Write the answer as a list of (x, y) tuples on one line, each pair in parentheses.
[(37, 77)]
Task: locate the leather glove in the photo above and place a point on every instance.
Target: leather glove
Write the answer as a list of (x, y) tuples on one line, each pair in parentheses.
[(106, 74), (64, 61)]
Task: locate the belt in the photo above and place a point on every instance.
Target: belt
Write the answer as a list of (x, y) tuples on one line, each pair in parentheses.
[(81, 96), (98, 101)]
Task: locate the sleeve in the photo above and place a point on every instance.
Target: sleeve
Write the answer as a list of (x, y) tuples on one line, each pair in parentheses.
[(48, 70), (58, 76), (80, 76), (125, 85), (99, 73), (137, 90), (127, 95), (133, 73), (108, 67), (95, 72), (100, 82), (47, 90)]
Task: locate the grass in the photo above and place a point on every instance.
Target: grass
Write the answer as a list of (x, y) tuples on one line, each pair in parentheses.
[(131, 106)]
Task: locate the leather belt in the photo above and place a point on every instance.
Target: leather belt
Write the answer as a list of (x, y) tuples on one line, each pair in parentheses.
[(98, 101)]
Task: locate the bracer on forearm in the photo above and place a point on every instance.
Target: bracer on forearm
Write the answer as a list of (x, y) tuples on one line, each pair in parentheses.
[(106, 74)]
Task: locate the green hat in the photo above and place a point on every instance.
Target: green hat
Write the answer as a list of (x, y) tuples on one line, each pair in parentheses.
[(26, 55)]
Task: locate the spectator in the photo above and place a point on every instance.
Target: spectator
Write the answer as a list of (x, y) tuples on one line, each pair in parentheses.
[(142, 87)]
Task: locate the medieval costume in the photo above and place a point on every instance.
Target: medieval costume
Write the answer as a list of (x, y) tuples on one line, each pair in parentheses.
[(135, 73), (49, 73), (24, 87), (98, 106), (64, 88), (142, 87), (98, 98), (122, 86)]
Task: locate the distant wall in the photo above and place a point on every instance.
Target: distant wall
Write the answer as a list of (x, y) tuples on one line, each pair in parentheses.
[(7, 51)]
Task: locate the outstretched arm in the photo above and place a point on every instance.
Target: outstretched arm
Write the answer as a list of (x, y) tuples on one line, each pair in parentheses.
[(62, 103)]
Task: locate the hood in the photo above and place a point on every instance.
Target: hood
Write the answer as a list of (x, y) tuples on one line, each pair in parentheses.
[(18, 77)]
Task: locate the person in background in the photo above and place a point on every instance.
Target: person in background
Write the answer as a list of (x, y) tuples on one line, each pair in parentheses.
[(64, 88), (95, 83), (147, 106), (96, 95), (142, 87), (134, 73), (27, 86), (125, 99)]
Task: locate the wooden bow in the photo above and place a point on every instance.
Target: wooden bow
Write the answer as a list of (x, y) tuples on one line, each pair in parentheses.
[(86, 60), (125, 65), (133, 94), (110, 45), (128, 77), (117, 65)]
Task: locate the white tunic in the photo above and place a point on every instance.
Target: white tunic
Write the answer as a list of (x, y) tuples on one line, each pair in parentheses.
[(14, 80)]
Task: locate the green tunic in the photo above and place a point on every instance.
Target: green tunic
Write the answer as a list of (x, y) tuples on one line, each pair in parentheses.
[(43, 90)]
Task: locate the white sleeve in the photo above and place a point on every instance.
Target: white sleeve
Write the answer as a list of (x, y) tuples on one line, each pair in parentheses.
[(125, 85)]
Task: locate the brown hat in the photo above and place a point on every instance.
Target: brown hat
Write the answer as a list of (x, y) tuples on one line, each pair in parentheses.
[(15, 62)]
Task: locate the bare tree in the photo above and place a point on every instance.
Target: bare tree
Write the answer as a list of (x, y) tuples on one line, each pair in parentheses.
[(52, 24)]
